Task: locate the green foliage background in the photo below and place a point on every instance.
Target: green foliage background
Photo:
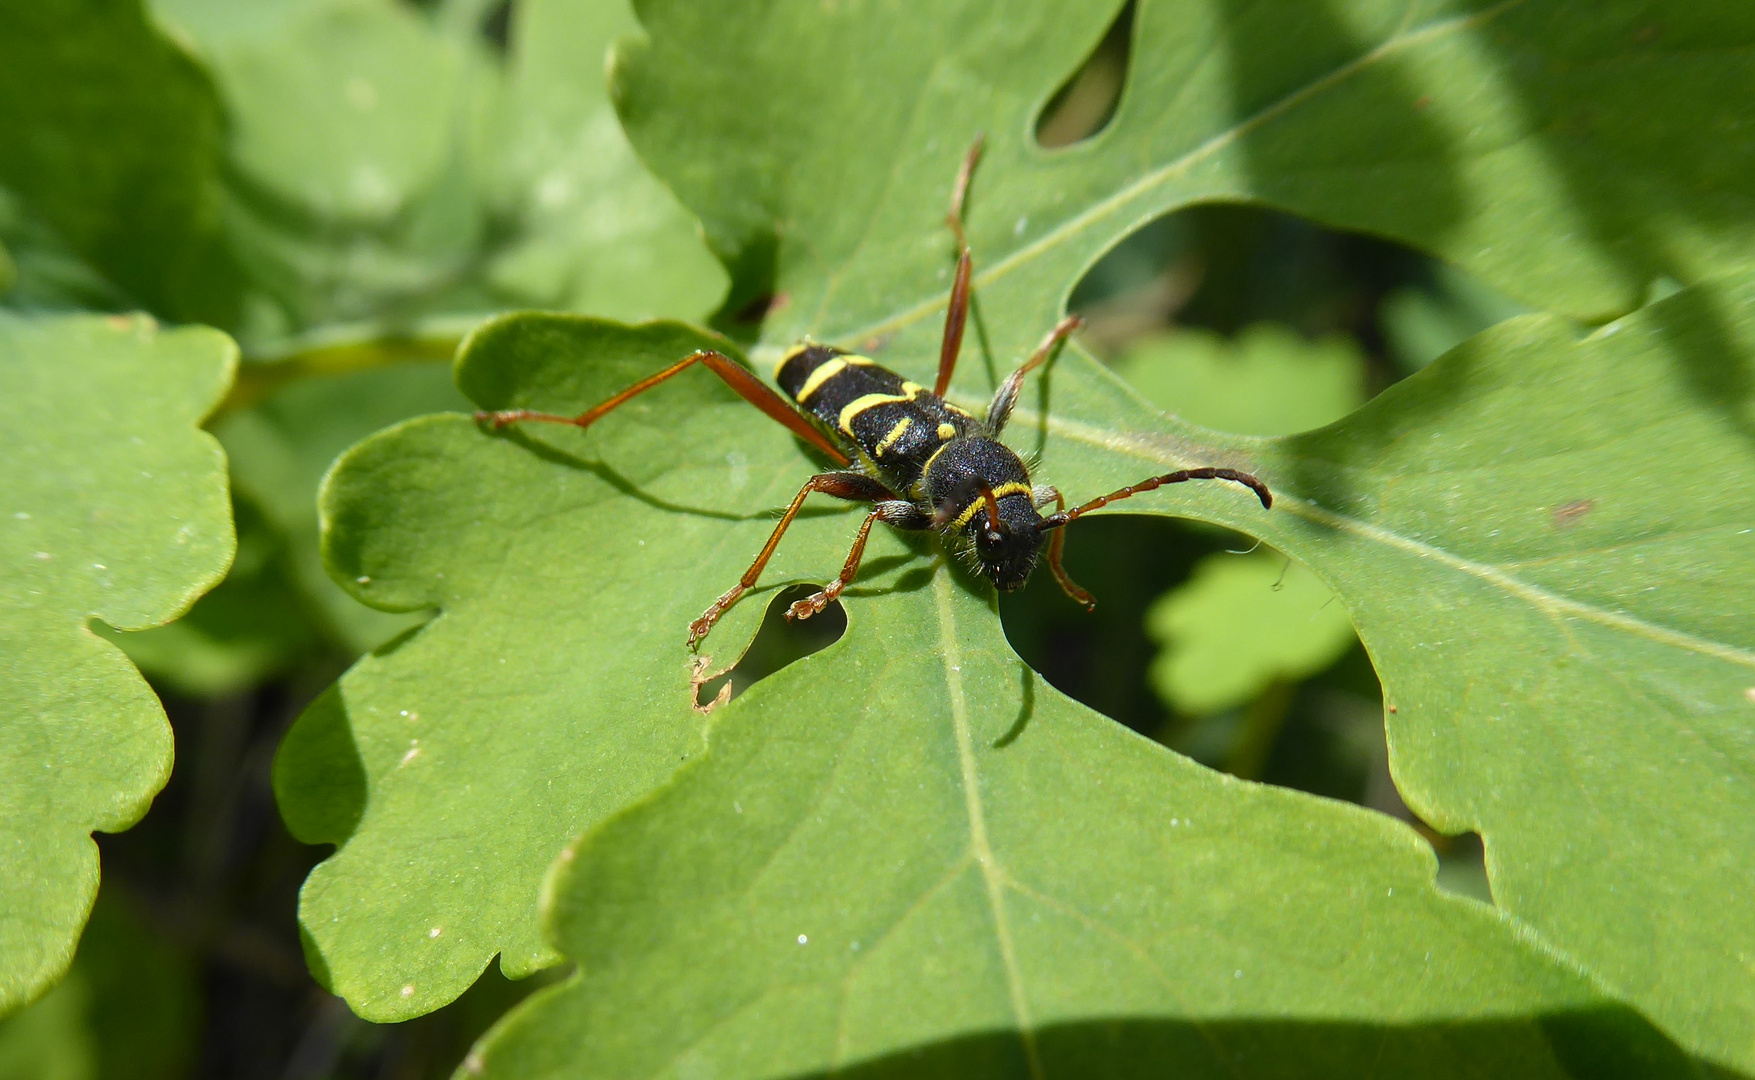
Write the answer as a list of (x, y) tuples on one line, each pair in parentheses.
[(1512, 461)]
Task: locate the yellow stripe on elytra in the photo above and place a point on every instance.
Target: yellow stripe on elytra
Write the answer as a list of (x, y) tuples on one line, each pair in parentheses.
[(896, 432), (825, 371), (975, 505), (786, 358), (867, 401)]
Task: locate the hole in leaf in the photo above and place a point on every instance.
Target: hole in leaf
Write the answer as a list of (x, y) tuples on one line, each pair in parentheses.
[(778, 642), (1322, 734), (1188, 294), (1462, 866), (1228, 267), (496, 25), (1086, 102)]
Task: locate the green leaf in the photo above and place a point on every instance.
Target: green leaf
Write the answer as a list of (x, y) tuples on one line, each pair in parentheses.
[(1548, 565), (251, 627), (1566, 151), (1269, 381), (1239, 624), (531, 706), (281, 447), (1558, 615), (1555, 611), (451, 767), (905, 849), (113, 137), (128, 1009), (390, 172), (598, 235), (113, 507)]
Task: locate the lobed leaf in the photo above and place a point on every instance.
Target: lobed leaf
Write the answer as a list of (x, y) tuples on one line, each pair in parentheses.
[(114, 508), (1546, 609), (907, 856), (902, 790), (1559, 674), (553, 686), (1553, 610), (1555, 615)]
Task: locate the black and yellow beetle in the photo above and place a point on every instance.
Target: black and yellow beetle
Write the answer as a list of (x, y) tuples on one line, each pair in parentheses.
[(921, 461)]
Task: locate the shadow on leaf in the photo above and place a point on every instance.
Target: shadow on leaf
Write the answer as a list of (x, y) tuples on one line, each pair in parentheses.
[(1603, 1042), (319, 779)]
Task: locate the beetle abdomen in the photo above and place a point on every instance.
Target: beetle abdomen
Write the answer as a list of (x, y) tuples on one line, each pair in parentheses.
[(897, 424)]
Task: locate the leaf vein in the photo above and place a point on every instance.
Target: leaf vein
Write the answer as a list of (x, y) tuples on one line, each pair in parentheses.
[(992, 874), (952, 873), (1544, 600)]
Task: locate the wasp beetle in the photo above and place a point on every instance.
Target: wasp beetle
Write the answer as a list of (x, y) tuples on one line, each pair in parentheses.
[(922, 462)]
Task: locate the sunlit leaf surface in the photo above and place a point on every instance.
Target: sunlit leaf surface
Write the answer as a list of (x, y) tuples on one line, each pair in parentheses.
[(1551, 606), (112, 506)]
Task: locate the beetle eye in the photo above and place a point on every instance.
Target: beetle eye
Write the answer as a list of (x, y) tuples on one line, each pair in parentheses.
[(992, 537)]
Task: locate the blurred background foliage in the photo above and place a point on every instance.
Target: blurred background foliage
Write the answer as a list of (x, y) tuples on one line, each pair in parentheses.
[(347, 186)]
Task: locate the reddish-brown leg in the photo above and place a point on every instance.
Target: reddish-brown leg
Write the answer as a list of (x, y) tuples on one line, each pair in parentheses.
[(1056, 546), (1000, 409), (957, 313), (854, 487), (956, 317), (816, 602), (735, 376), (894, 512)]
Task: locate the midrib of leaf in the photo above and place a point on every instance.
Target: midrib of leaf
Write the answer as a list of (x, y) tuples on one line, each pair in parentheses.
[(1077, 224), (992, 876)]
